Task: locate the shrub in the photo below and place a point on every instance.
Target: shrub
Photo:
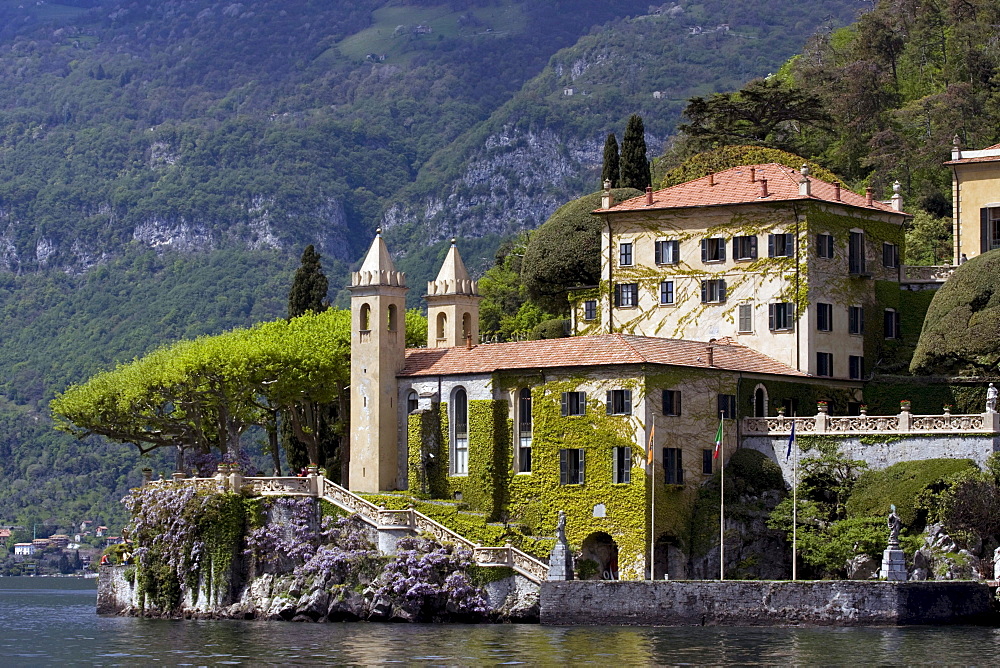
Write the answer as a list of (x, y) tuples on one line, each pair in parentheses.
[(900, 484)]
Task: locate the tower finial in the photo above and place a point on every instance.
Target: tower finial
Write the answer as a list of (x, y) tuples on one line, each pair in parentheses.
[(454, 240), (378, 231)]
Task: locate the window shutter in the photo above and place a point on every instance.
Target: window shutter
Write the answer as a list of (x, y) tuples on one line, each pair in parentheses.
[(896, 325), (618, 295), (887, 321), (753, 247), (627, 465), (565, 404), (984, 230), (704, 292), (704, 246), (677, 402), (770, 245), (770, 317), (789, 244), (675, 252), (666, 465), (628, 402), (582, 477), (679, 467), (583, 402), (610, 404), (562, 467), (722, 249), (722, 289), (665, 399), (658, 252)]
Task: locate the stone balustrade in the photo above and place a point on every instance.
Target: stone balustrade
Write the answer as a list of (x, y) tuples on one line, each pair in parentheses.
[(858, 425), (928, 274), (386, 521)]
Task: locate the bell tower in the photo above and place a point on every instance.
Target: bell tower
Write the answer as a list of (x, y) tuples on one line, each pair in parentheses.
[(378, 347), (452, 305)]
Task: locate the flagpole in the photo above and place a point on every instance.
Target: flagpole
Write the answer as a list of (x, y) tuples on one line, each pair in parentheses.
[(722, 501), (795, 510), (652, 505)]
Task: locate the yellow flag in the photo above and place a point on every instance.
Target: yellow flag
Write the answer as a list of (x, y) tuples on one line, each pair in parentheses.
[(649, 448)]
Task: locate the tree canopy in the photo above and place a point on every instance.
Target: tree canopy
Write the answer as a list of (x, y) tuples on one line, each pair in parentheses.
[(634, 163), (962, 327), (309, 287), (726, 157), (610, 170)]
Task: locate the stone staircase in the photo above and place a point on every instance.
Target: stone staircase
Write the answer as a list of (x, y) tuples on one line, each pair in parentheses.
[(390, 524)]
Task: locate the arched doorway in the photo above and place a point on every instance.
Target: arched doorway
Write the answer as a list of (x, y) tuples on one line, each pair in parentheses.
[(760, 401), (669, 561), (601, 548)]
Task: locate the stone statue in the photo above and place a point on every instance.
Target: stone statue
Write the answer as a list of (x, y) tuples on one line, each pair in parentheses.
[(895, 524), (561, 560), (996, 564), (561, 527), (991, 399)]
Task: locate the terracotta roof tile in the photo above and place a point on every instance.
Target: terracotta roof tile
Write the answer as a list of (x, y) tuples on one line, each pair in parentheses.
[(583, 351), (982, 158), (733, 186)]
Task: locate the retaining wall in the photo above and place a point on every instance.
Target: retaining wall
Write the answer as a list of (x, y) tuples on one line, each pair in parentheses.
[(755, 603)]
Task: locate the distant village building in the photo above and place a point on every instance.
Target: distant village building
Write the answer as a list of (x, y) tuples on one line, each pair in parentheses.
[(657, 94), (59, 540), (567, 92), (23, 549)]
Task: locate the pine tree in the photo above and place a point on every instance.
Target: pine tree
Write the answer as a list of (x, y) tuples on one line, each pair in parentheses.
[(634, 167), (610, 172), (309, 286)]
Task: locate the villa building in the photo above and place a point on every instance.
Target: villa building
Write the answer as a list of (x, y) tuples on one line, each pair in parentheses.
[(975, 200)]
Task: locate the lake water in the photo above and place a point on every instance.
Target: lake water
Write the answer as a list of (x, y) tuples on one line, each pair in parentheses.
[(47, 621)]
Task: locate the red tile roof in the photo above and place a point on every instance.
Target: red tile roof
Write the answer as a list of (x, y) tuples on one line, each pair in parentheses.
[(982, 158), (582, 351), (733, 186)]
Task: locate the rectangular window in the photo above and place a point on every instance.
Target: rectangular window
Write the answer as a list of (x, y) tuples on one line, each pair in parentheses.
[(890, 256), (824, 246), (780, 245), (855, 320), (667, 251), (856, 253), (727, 406), (621, 473), (745, 248), (673, 468), (574, 403), (891, 324), (671, 402), (713, 291), (625, 253), (713, 250), (666, 293), (780, 316), (745, 323), (856, 367), (824, 317), (571, 466), (990, 229), (824, 364), (619, 402), (524, 431), (590, 309), (627, 295), (460, 453), (706, 461), (791, 406)]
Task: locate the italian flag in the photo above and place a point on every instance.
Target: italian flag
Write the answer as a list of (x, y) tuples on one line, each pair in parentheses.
[(718, 441)]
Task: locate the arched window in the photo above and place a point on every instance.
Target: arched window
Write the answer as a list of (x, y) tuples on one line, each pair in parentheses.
[(460, 432), (365, 321), (412, 401), (442, 323), (466, 325), (524, 431), (392, 318), (760, 401)]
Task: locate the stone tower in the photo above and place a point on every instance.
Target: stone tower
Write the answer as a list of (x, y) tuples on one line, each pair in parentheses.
[(452, 305), (378, 345)]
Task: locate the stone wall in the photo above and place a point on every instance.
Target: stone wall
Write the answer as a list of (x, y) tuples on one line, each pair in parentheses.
[(976, 447), (755, 603), (115, 590)]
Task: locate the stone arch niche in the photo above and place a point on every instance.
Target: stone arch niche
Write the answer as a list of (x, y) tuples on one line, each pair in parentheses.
[(393, 318), (669, 562), (760, 401), (602, 549)]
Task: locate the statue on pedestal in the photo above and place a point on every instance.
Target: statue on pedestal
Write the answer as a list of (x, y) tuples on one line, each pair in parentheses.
[(991, 399), (895, 524), (893, 560), (561, 560)]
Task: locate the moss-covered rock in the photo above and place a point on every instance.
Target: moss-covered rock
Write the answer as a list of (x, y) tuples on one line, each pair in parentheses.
[(960, 333)]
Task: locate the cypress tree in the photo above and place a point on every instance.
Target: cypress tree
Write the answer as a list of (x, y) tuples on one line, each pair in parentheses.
[(634, 167), (309, 287), (611, 161)]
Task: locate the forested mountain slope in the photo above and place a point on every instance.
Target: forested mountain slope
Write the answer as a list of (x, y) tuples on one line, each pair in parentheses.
[(162, 164)]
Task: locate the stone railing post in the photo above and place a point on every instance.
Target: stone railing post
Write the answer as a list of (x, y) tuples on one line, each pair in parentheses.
[(147, 476), (178, 475), (235, 481), (905, 417), (822, 416), (991, 422)]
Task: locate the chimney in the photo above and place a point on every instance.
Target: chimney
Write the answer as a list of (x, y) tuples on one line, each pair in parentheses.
[(468, 341), (753, 174), (711, 356), (804, 185), (836, 190), (607, 200), (649, 195), (868, 196), (763, 188), (711, 179), (897, 199)]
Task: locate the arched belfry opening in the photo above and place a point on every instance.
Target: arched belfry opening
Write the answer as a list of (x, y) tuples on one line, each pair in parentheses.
[(365, 318), (442, 327), (393, 319)]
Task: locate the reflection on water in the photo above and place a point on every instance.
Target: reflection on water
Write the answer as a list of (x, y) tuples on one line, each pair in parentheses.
[(47, 621)]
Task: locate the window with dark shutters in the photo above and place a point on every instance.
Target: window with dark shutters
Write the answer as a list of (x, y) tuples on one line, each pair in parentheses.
[(673, 469), (984, 230), (856, 253), (619, 402), (671, 402)]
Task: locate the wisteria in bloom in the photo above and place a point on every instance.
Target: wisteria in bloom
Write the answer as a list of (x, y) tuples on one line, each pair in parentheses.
[(294, 538), (428, 575)]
